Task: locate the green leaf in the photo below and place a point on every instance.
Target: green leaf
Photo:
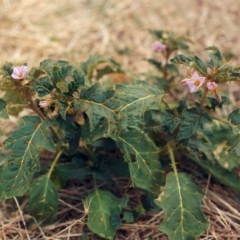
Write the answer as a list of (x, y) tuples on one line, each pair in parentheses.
[(110, 66), (222, 175), (43, 201), (98, 103), (181, 202), (216, 57), (14, 101), (184, 60), (234, 117), (135, 99), (172, 120), (215, 103), (194, 120), (128, 217), (155, 63), (142, 156), (191, 61), (78, 168), (201, 152), (101, 207), (25, 144), (3, 109), (42, 86), (72, 132), (59, 75), (122, 106), (172, 41), (201, 66)]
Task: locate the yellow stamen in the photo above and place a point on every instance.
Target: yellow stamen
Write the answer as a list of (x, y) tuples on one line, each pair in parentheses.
[(197, 83)]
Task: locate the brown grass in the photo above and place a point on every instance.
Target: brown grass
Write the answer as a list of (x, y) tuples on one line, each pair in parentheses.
[(31, 31)]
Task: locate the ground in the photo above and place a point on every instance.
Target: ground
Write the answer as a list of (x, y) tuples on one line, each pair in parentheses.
[(31, 31)]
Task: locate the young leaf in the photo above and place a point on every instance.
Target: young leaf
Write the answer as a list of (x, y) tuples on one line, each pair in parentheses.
[(101, 207), (216, 57), (59, 75), (25, 144), (43, 201), (181, 202), (142, 156)]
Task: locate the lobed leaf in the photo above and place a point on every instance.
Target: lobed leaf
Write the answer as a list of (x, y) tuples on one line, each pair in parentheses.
[(142, 156), (181, 202), (98, 103), (135, 99), (43, 201), (25, 144), (123, 106), (191, 61), (193, 120), (59, 75), (102, 208)]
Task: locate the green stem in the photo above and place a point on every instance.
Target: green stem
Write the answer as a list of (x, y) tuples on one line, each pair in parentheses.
[(55, 162), (204, 96), (89, 153), (166, 104), (171, 155)]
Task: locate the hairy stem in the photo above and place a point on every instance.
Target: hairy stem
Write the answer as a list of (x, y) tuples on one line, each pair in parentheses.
[(172, 158), (55, 162)]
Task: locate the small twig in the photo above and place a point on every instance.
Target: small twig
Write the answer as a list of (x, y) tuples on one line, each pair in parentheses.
[(208, 183), (20, 211), (34, 107)]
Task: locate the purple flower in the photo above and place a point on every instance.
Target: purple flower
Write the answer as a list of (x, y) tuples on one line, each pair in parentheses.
[(158, 47), (43, 104), (194, 83), (211, 86), (19, 73)]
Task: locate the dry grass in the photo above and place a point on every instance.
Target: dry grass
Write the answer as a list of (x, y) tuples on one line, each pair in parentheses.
[(31, 31)]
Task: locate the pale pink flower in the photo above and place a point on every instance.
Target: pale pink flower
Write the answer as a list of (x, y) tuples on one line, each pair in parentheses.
[(213, 87), (194, 83), (19, 73), (158, 47), (43, 104)]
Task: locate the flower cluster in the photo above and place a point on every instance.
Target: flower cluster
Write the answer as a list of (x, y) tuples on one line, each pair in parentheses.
[(196, 81)]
